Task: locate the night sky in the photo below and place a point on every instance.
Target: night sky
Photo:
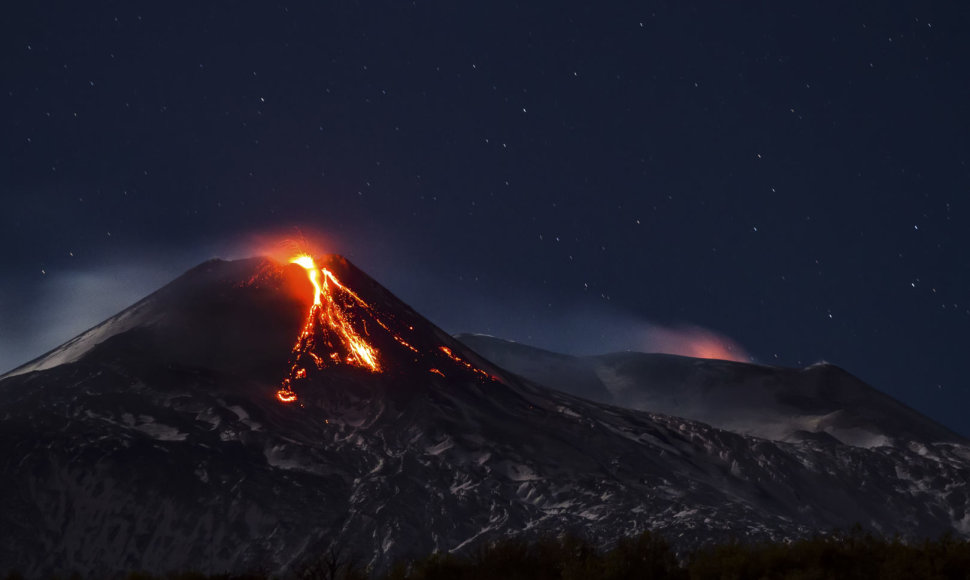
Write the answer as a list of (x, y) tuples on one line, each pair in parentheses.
[(580, 176)]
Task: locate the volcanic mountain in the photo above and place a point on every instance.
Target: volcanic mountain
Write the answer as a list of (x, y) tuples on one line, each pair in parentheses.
[(820, 401), (251, 415)]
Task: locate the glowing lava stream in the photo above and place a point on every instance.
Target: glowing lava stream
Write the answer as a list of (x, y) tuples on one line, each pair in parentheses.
[(333, 318)]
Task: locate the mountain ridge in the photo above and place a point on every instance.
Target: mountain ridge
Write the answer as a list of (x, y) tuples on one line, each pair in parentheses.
[(772, 402), (164, 447)]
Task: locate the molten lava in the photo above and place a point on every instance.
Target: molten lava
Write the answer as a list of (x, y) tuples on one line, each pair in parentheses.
[(448, 352), (329, 327), (338, 330)]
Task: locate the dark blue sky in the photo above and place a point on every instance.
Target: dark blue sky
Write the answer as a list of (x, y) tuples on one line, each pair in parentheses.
[(572, 175)]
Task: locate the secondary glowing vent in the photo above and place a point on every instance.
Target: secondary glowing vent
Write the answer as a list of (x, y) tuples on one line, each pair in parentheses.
[(334, 332)]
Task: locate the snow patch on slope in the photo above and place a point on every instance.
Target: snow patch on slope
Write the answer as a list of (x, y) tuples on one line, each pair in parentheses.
[(75, 348)]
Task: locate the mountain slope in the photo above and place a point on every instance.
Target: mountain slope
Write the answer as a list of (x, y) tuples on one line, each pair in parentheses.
[(771, 402), (159, 443)]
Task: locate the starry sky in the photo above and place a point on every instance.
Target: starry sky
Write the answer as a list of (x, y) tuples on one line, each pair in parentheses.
[(790, 180)]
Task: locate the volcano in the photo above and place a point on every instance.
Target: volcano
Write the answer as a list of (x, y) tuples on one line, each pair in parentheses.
[(821, 401), (252, 415)]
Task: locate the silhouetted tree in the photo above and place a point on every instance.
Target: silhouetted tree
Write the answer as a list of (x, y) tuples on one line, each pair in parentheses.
[(646, 557), (335, 563)]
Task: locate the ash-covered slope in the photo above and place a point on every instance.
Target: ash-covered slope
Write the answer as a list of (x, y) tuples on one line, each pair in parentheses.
[(224, 316), (158, 442), (776, 403)]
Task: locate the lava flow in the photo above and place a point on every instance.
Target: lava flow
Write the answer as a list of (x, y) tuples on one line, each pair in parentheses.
[(454, 357), (328, 326)]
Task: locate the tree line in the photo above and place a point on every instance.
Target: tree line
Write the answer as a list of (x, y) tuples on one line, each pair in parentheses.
[(849, 555)]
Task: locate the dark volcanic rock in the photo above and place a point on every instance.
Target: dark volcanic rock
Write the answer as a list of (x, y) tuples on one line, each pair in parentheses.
[(776, 403), (155, 442)]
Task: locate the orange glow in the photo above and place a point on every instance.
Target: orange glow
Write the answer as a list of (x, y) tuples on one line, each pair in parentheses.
[(332, 312), (695, 342), (285, 396), (306, 262), (448, 352), (713, 350), (404, 343), (341, 329), (281, 244)]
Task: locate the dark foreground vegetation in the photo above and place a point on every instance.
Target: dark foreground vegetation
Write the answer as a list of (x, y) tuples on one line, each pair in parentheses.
[(850, 555)]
